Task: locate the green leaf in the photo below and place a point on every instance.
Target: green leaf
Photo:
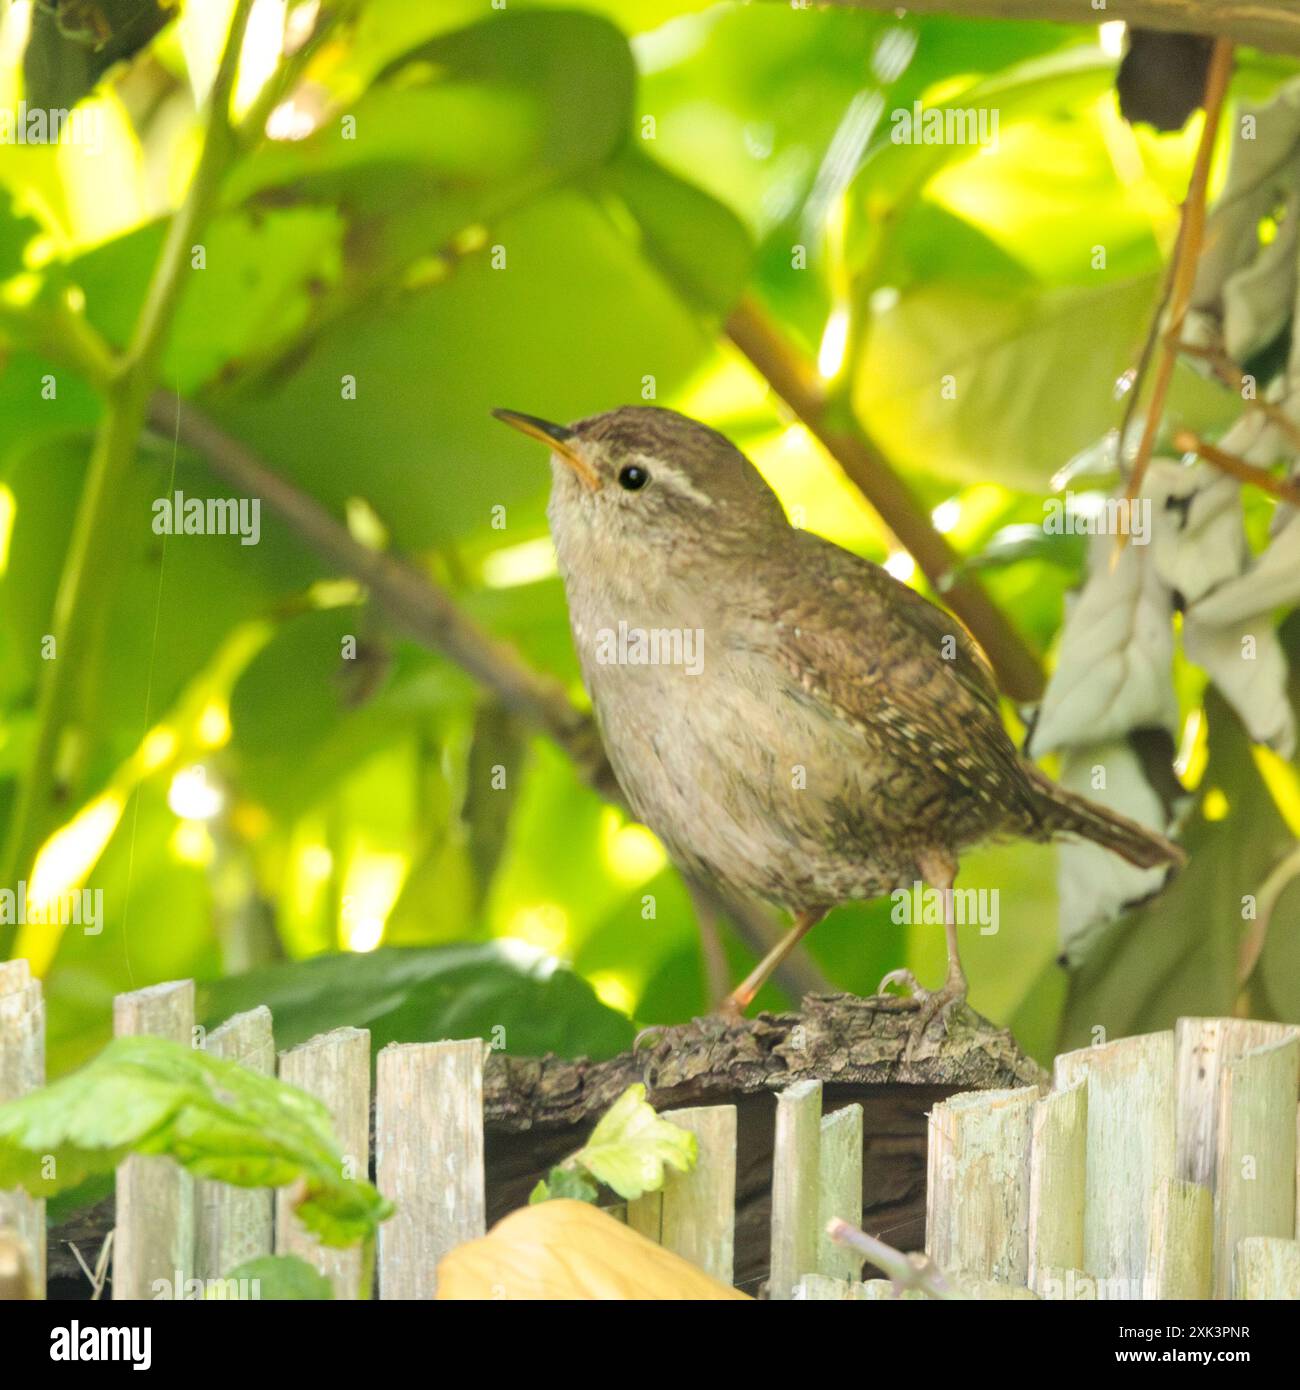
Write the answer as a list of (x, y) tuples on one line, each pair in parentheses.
[(564, 1182), (217, 1119), (699, 245), (275, 1278), (631, 1148), (504, 991)]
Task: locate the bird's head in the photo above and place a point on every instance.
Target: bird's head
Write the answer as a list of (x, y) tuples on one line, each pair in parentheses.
[(641, 478)]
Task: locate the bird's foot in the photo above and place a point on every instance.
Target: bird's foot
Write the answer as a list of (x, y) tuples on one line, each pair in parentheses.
[(930, 1004), (918, 994), (940, 1004)]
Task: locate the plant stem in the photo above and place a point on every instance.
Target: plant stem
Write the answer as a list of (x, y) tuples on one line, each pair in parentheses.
[(1284, 490), (904, 1271), (1183, 272), (95, 547)]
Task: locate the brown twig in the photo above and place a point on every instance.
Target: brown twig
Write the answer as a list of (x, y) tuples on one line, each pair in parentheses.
[(914, 1271), (1261, 478), (1018, 669), (1186, 254), (429, 615), (1234, 379)]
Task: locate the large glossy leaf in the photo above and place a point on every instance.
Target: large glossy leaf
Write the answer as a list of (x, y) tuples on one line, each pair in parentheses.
[(511, 995)]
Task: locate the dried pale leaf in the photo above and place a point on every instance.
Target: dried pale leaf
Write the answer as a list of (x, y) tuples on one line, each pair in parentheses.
[(1113, 672), (1094, 885), (1198, 541), (1245, 661), (570, 1250), (1272, 582)]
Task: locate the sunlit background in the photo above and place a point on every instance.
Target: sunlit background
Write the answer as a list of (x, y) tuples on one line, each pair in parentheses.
[(546, 215)]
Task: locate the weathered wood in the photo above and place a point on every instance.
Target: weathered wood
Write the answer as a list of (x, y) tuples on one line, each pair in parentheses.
[(1202, 1048), (984, 1290), (22, 1069), (695, 1215), (977, 1207), (428, 1159), (335, 1068), (1057, 1180), (1181, 1257), (837, 1038), (1254, 1192), (1066, 1285), (1271, 24), (840, 1179), (153, 1247), (1130, 1150), (822, 1288), (795, 1187), (875, 1290), (1267, 1268), (234, 1223)]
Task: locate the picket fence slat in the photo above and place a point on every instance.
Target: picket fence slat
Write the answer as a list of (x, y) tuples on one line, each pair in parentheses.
[(1266, 1267), (235, 1223), (1202, 1048), (1057, 1181), (840, 1178), (153, 1240), (1131, 1149), (22, 1069), (796, 1187), (695, 1215), (1181, 1254), (1255, 1165), (335, 1068), (977, 1185), (428, 1159)]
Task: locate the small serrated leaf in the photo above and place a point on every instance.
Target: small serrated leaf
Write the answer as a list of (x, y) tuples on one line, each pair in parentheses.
[(631, 1148)]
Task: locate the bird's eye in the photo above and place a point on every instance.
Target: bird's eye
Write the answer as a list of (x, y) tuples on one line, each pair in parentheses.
[(633, 478)]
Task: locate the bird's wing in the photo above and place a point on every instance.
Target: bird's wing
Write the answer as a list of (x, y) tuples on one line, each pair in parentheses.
[(902, 670)]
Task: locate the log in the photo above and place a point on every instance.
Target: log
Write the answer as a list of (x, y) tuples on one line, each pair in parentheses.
[(538, 1110)]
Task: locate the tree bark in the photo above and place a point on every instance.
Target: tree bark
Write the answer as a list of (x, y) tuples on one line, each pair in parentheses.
[(1273, 25)]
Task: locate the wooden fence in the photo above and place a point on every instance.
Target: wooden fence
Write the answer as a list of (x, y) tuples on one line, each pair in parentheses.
[(1159, 1167)]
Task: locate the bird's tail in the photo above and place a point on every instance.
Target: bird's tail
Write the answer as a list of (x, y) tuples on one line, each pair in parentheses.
[(1064, 813)]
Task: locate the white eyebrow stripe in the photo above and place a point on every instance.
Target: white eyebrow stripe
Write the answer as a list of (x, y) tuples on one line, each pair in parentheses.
[(678, 480)]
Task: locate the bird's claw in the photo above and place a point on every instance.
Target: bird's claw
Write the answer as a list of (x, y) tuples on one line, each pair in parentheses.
[(939, 1004), (919, 994)]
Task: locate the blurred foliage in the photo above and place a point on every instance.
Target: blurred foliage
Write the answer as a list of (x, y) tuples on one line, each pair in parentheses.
[(551, 208)]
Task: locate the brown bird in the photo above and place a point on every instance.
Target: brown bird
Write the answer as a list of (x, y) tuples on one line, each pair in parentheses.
[(790, 720)]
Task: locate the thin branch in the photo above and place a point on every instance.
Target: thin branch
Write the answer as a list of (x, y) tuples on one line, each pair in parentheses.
[(1018, 669), (95, 545), (914, 1271), (1186, 254), (1234, 379), (429, 615), (1261, 478)]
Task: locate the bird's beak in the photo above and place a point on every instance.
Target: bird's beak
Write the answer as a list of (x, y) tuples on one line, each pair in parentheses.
[(559, 438)]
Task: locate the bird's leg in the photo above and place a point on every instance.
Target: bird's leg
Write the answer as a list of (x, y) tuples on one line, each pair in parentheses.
[(734, 1005), (938, 870)]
